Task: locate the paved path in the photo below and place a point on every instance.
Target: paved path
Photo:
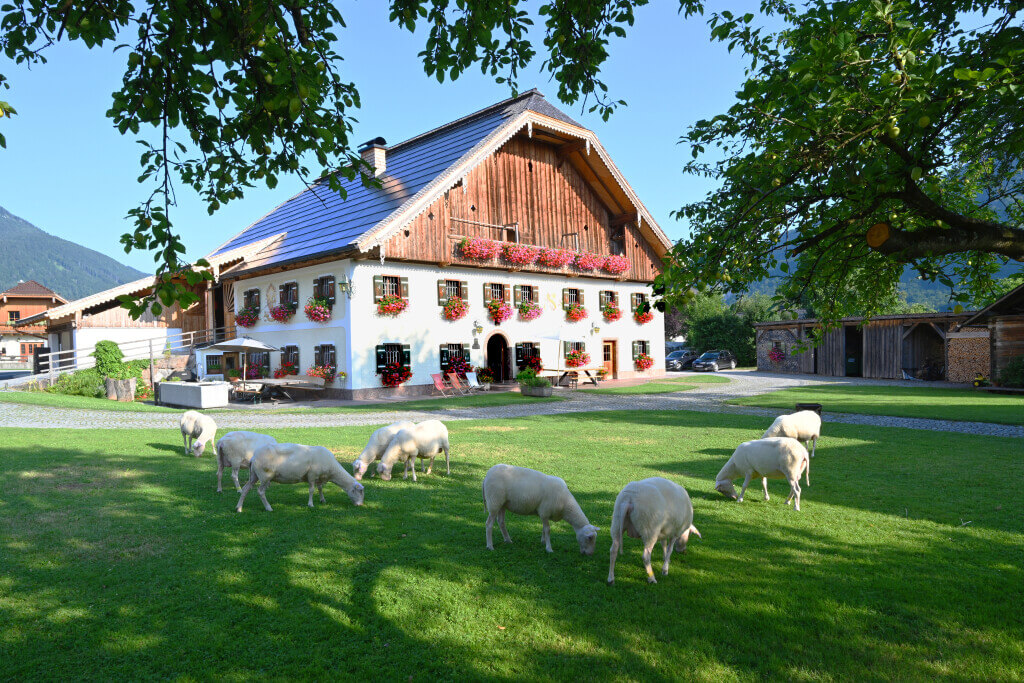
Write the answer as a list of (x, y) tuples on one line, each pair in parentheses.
[(705, 398)]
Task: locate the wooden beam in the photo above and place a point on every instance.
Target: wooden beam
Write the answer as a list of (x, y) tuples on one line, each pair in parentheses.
[(939, 330), (621, 219), (906, 333), (570, 147)]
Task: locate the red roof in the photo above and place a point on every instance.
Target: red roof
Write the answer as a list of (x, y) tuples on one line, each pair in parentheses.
[(33, 289)]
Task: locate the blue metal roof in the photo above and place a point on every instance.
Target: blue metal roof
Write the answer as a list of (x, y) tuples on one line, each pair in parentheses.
[(318, 221)]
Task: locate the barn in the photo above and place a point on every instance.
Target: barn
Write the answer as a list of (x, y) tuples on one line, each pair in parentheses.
[(1005, 320)]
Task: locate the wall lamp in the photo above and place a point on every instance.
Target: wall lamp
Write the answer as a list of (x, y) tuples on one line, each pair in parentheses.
[(477, 329), (594, 329), (345, 286)]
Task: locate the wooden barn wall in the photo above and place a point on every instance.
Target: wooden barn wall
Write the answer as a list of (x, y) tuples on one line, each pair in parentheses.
[(921, 344), (1007, 340), (882, 349), (831, 360), (118, 317), (524, 182)]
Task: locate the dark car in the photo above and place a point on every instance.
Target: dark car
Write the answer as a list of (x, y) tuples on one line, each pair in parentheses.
[(715, 361), (680, 359)]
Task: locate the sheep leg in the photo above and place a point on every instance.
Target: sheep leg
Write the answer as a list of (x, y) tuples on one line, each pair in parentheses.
[(764, 484), (312, 487), (746, 483), (501, 525), (488, 530), (430, 467), (447, 464), (814, 445), (262, 490), (545, 536), (234, 478), (794, 491), (411, 464), (648, 549), (184, 440), (667, 547), (320, 490), (245, 492), (220, 475)]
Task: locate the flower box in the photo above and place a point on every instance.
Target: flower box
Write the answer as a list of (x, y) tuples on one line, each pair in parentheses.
[(287, 368), (478, 248), (455, 309), (643, 361), (318, 310), (282, 313), (616, 265), (555, 258), (520, 254), (776, 355), (394, 374), (248, 317), (529, 311), (391, 305), (538, 392), (611, 312), (328, 373), (498, 311), (575, 313), (643, 317), (588, 261), (577, 359)]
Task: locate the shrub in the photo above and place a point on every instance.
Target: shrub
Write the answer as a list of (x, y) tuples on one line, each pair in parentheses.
[(1013, 374), (484, 375), (80, 383), (529, 378), (108, 358)]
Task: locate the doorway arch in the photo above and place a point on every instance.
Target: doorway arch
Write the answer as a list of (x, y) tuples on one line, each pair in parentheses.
[(497, 357)]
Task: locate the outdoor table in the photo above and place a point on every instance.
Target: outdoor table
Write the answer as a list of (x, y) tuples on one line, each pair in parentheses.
[(564, 373)]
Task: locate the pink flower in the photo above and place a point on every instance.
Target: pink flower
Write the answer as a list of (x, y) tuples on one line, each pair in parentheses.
[(391, 305), (520, 254), (555, 258), (529, 311), (643, 361), (575, 313), (478, 248), (499, 311), (588, 261), (577, 359), (616, 265), (643, 317)]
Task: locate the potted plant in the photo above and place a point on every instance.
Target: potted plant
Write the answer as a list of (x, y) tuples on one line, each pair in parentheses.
[(532, 385), (602, 373), (233, 375), (529, 311), (328, 373), (455, 308), (282, 313), (479, 248), (577, 359), (498, 311), (391, 305), (318, 310), (394, 374), (485, 377), (611, 312), (776, 355), (248, 317), (643, 361), (575, 313), (287, 368)]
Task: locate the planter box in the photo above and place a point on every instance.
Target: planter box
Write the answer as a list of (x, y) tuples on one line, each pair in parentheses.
[(536, 391), (194, 394)]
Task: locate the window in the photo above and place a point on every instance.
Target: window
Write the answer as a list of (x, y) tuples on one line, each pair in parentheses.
[(526, 351), (390, 285), (618, 242), (572, 296), (641, 346), (607, 296), (450, 351), (13, 316), (777, 345), (288, 293), (290, 354), (496, 291), (323, 354), (323, 288), (526, 294), (251, 299), (213, 365), (638, 302), (257, 365), (394, 353), (451, 289), (568, 347)]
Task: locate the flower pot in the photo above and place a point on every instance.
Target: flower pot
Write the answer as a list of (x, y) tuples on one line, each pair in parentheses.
[(539, 392), (485, 386)]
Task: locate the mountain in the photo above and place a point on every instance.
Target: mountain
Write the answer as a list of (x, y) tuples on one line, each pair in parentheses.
[(71, 270)]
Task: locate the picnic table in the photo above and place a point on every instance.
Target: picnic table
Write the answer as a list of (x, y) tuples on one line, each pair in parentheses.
[(563, 373), (267, 387)]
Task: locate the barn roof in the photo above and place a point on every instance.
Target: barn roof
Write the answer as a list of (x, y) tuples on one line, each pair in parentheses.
[(31, 288), (318, 222), (963, 319), (1011, 303)]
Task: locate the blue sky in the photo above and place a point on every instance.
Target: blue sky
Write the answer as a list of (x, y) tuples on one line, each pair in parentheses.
[(69, 172)]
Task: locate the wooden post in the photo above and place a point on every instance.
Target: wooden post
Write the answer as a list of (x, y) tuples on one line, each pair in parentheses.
[(152, 373)]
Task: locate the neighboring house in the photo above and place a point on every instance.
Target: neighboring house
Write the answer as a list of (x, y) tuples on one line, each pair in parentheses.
[(520, 174), (938, 345), (1005, 319), (24, 300)]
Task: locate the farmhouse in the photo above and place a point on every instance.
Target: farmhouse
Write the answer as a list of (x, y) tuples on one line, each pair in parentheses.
[(22, 301), (945, 346), (500, 236)]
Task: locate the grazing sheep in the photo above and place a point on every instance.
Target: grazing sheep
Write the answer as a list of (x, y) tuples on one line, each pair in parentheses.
[(653, 510), (529, 492), (424, 440), (290, 463), (196, 430), (379, 441), (778, 457), (804, 426), (235, 450)]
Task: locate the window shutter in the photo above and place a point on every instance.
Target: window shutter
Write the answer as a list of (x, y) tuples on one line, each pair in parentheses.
[(378, 289), (332, 357), (487, 293), (464, 290), (445, 359), (381, 357), (328, 289), (565, 297), (506, 293), (632, 303), (566, 348), (579, 296), (442, 293), (406, 356), (636, 349), (517, 293), (318, 355), (465, 352), (519, 354), (602, 298), (281, 294), (317, 286), (405, 287)]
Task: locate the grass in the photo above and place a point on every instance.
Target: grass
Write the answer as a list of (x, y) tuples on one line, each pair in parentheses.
[(45, 398), (119, 561), (648, 388), (925, 402)]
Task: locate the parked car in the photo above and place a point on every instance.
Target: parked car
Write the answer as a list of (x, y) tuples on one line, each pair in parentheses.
[(715, 361), (680, 359)]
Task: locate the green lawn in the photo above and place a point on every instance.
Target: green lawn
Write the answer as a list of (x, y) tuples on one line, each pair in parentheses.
[(648, 388), (119, 561), (44, 398), (926, 402)]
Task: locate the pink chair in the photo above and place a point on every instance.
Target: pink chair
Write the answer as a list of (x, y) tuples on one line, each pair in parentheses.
[(457, 385), (440, 385)]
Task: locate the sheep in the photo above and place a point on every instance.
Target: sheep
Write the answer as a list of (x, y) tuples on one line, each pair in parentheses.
[(529, 492), (290, 463), (653, 510), (235, 450), (804, 426), (379, 441), (424, 440), (777, 457), (196, 430)]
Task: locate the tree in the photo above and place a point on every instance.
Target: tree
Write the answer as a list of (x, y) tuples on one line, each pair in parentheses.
[(868, 135), (226, 95)]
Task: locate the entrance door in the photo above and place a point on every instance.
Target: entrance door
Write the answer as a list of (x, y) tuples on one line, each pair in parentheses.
[(497, 358), (611, 349)]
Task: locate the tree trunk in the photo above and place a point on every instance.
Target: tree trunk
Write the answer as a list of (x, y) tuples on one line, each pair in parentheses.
[(120, 389)]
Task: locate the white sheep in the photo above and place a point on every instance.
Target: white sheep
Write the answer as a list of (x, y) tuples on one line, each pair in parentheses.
[(290, 463), (529, 492), (235, 450), (777, 457), (424, 440), (379, 441), (804, 426), (653, 510), (196, 430)]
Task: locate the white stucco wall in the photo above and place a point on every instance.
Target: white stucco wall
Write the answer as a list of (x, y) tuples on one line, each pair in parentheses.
[(356, 329)]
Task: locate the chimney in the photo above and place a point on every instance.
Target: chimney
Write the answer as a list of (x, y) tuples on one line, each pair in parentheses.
[(372, 152)]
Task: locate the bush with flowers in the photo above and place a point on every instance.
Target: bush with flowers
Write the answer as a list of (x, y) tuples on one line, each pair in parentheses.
[(256, 372), (776, 355), (484, 374), (248, 317), (282, 313), (520, 254), (587, 261), (498, 311), (327, 373), (533, 362), (287, 368), (555, 258), (616, 265), (394, 374), (643, 361), (459, 365), (575, 313), (455, 308), (529, 311), (643, 316), (479, 248), (611, 312), (391, 305), (318, 310), (577, 359)]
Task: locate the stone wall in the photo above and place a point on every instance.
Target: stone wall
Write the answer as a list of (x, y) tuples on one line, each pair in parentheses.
[(967, 354), (766, 340)]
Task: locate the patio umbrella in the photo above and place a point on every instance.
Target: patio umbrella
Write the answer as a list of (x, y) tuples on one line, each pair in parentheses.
[(570, 335), (245, 346)]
